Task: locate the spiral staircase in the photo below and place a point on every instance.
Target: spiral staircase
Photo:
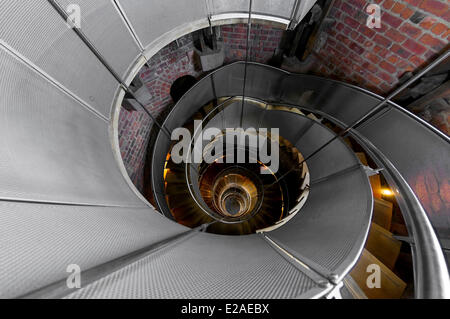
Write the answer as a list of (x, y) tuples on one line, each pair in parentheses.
[(210, 231)]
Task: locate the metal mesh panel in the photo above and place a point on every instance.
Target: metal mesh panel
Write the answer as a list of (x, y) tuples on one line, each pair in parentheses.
[(331, 228), (34, 29), (223, 6), (420, 156), (153, 18), (104, 27), (53, 149), (345, 103), (335, 157), (205, 266), (38, 242)]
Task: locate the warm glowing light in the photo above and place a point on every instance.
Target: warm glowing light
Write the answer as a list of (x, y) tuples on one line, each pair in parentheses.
[(387, 192), (166, 171)]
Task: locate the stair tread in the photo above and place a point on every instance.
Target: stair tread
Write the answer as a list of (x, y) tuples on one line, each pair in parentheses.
[(391, 286), (382, 213), (353, 289), (383, 245)]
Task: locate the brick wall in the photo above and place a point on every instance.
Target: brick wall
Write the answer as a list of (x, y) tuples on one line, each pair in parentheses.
[(264, 40), (134, 131), (176, 60), (172, 62), (412, 33)]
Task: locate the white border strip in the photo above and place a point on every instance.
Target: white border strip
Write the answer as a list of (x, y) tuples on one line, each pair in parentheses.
[(224, 18)]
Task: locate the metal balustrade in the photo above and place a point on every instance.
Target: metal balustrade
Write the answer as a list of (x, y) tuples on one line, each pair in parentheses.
[(319, 95), (65, 195)]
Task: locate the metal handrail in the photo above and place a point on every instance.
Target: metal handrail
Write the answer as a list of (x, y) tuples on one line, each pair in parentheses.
[(431, 275), (430, 269), (201, 205), (430, 272)]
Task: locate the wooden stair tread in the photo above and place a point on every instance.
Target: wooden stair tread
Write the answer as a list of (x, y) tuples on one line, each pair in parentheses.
[(382, 213), (353, 288), (296, 110), (383, 245), (391, 286)]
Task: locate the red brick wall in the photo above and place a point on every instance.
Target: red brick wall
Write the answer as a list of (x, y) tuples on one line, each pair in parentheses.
[(172, 62), (412, 33), (264, 40), (134, 131), (176, 60)]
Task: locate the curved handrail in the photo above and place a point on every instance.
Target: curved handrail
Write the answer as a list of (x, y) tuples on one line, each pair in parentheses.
[(199, 201), (431, 275)]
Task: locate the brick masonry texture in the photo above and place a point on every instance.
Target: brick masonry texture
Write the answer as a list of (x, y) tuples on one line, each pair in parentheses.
[(412, 33), (134, 131), (172, 62), (264, 40)]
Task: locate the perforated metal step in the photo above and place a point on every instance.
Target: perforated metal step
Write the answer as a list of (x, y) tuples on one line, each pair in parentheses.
[(207, 266)]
